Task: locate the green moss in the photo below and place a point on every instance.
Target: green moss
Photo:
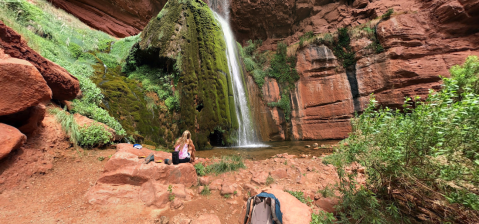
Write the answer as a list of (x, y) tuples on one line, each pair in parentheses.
[(185, 33)]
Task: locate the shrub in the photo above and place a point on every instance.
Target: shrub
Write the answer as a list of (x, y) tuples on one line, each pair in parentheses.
[(93, 135), (300, 197), (342, 48), (226, 164), (420, 161), (200, 169), (285, 104), (205, 191), (269, 180), (322, 218), (227, 196), (85, 136)]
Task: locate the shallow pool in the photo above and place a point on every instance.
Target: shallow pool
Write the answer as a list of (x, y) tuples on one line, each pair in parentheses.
[(269, 149)]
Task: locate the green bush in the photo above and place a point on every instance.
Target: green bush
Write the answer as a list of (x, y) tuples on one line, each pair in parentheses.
[(322, 218), (226, 164), (85, 136), (300, 197), (93, 135), (205, 191), (342, 48), (428, 152), (285, 104), (200, 169)]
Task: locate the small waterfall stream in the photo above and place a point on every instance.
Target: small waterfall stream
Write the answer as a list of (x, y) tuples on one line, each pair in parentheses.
[(246, 131)]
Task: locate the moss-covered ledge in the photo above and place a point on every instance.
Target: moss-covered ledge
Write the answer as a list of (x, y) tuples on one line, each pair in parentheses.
[(187, 34)]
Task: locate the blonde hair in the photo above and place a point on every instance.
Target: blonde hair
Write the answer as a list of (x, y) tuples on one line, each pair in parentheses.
[(183, 139)]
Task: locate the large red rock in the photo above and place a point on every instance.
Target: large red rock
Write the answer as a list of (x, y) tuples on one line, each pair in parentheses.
[(10, 139), (127, 178), (22, 86), (117, 18), (63, 85)]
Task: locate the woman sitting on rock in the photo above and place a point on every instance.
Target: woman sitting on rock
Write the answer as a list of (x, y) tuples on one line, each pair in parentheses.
[(185, 147)]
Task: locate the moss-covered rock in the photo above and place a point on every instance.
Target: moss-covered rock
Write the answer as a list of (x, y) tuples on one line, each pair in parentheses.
[(186, 32)]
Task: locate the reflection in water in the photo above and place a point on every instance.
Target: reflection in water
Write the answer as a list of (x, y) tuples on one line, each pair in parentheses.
[(291, 147)]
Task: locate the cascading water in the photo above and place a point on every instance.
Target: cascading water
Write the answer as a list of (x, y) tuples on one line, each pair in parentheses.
[(246, 131)]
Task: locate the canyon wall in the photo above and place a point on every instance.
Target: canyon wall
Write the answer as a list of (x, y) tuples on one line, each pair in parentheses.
[(421, 41)]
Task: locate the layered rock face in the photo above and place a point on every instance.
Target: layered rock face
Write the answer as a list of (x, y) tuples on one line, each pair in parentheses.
[(420, 46), (118, 18)]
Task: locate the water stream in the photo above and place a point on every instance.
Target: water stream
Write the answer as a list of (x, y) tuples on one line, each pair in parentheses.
[(246, 132)]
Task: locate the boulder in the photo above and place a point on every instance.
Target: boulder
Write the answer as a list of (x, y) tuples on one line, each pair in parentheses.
[(63, 85), (260, 177), (279, 174), (37, 114), (228, 188), (10, 139), (28, 120), (26, 86), (327, 204), (293, 210), (204, 180), (207, 219), (126, 177)]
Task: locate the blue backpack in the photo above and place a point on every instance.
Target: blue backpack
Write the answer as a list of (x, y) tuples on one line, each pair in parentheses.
[(263, 208)]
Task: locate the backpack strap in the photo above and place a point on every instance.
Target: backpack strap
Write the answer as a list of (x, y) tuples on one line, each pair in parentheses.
[(248, 204), (273, 211)]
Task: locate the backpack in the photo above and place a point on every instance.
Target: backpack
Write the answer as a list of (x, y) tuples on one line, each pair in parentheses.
[(175, 157), (263, 208)]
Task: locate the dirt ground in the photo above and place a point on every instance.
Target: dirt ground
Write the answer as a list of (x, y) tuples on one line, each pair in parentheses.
[(46, 182)]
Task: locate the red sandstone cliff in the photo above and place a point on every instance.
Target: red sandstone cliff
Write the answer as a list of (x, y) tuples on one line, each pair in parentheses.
[(422, 40)]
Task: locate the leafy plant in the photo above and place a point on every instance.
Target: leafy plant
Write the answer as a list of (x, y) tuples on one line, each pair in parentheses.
[(200, 169), (101, 158), (327, 192), (227, 196), (269, 180), (420, 160), (342, 48), (171, 196), (300, 197), (322, 218), (205, 191), (226, 164)]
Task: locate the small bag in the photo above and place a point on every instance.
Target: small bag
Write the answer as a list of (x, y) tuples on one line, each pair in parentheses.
[(175, 157)]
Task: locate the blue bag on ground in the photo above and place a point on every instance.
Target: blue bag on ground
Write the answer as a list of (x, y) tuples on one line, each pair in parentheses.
[(263, 208)]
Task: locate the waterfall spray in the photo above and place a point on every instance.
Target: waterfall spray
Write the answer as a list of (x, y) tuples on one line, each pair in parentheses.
[(246, 131)]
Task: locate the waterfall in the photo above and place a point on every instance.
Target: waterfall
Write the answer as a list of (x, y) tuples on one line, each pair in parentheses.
[(246, 131)]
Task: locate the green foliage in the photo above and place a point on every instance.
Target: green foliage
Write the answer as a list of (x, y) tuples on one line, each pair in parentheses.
[(322, 218), (285, 104), (226, 164), (235, 192), (75, 50), (94, 134), (173, 102), (283, 68), (388, 14), (327, 192), (269, 180), (300, 197), (85, 136), (98, 114), (429, 151), (342, 48), (171, 196), (101, 158), (206, 191), (254, 60), (227, 196), (200, 169)]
